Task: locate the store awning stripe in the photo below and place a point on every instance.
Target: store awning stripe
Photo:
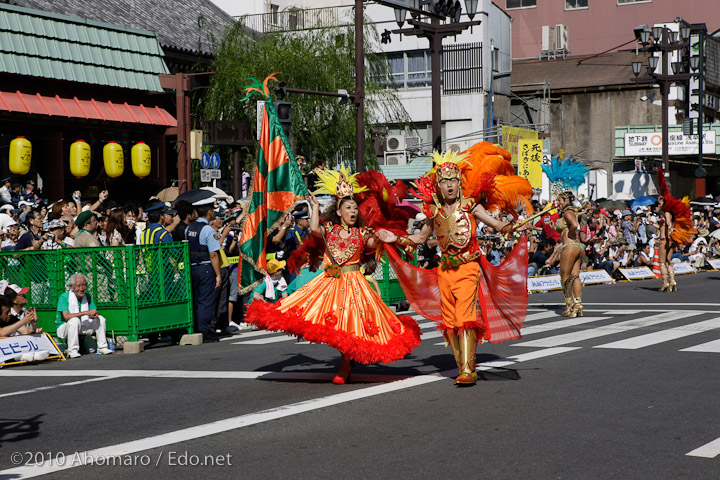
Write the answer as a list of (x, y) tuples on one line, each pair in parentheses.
[(56, 106)]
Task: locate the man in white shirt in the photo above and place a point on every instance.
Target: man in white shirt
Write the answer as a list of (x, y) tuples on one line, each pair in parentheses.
[(5, 196)]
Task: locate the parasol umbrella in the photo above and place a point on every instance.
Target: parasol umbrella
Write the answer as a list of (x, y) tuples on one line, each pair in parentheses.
[(168, 194), (643, 202), (620, 196), (611, 205), (219, 194), (408, 207), (195, 195), (706, 200)]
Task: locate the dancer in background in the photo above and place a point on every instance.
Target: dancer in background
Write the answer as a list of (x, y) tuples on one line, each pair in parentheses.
[(565, 177), (676, 231)]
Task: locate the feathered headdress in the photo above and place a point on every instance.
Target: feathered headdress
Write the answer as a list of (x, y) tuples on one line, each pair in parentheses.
[(565, 175), (338, 182), (488, 175), (447, 165)]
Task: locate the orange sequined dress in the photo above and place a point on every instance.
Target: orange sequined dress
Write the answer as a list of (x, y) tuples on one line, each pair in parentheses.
[(343, 312)]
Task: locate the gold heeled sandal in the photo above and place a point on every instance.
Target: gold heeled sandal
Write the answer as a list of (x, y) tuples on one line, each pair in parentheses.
[(577, 308)]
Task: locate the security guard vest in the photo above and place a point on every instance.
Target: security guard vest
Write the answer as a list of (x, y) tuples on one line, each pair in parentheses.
[(198, 253)]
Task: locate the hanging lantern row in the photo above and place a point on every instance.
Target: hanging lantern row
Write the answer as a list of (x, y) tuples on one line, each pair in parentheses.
[(80, 157)]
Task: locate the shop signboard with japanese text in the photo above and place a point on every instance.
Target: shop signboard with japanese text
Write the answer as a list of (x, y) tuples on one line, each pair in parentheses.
[(530, 161), (650, 143)]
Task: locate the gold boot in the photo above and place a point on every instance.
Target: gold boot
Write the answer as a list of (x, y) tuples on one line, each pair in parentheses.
[(568, 292), (468, 345), (671, 276), (664, 274), (454, 342)]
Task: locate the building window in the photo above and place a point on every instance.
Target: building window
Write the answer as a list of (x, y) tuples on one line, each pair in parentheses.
[(411, 69), (623, 2), (510, 4), (575, 4), (274, 14)]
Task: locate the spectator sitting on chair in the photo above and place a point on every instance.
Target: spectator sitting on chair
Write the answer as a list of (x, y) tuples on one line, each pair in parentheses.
[(78, 314)]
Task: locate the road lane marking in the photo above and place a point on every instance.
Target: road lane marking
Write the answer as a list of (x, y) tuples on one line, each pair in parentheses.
[(203, 374), (224, 425), (663, 336), (564, 339), (50, 387), (282, 337), (709, 450)]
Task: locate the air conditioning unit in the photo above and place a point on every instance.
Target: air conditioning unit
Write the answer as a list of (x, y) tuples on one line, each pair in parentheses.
[(396, 143), (548, 38), (396, 158), (561, 37), (412, 142)]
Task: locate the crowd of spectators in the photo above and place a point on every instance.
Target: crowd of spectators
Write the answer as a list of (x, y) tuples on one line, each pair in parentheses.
[(613, 240), (29, 222)]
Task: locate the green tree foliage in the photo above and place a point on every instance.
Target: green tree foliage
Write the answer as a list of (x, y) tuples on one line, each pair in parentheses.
[(320, 59)]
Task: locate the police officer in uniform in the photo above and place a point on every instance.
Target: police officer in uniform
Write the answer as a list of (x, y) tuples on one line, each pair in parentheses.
[(155, 232), (205, 261)]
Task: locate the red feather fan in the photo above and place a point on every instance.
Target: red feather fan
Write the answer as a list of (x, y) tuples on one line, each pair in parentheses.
[(310, 252)]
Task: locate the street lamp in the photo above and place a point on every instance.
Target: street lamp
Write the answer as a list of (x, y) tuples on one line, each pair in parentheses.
[(400, 14), (434, 31), (471, 8), (664, 41)]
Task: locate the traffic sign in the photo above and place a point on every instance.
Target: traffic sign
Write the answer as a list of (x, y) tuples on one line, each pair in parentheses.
[(215, 160), (205, 160), (209, 174)]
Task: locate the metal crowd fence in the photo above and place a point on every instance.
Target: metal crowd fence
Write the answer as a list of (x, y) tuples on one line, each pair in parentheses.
[(139, 289)]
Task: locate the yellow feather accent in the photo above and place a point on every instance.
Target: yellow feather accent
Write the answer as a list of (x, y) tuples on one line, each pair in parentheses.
[(328, 181)]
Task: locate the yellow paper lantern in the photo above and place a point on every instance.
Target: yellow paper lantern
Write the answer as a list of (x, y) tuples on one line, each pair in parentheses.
[(113, 159), (20, 154), (80, 158), (141, 159)]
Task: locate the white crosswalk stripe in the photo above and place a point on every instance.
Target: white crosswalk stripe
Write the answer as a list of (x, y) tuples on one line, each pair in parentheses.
[(543, 321), (664, 335), (574, 337), (709, 347)]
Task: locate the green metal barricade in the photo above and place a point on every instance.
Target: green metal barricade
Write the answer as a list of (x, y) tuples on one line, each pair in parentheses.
[(139, 289), (390, 289)]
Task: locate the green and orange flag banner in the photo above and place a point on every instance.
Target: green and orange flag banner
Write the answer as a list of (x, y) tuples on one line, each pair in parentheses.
[(277, 185)]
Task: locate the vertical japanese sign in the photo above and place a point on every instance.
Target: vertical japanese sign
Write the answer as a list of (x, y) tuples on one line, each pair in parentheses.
[(530, 161), (511, 137)]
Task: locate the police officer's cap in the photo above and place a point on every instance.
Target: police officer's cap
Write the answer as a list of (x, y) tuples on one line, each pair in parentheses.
[(301, 214)]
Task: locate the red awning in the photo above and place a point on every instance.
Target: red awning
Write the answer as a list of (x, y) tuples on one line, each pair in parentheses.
[(89, 109)]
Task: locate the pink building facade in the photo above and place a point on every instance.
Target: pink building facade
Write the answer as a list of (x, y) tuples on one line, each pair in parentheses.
[(601, 25)]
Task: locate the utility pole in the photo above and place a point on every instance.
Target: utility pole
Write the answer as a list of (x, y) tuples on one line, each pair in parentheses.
[(434, 31), (359, 94)]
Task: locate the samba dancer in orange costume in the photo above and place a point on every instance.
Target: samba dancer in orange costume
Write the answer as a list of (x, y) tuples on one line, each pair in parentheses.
[(454, 205), (339, 307), (676, 230)]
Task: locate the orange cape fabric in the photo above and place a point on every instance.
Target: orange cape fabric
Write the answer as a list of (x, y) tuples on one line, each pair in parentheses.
[(502, 292)]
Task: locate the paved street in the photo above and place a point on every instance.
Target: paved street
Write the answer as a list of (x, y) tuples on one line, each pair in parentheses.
[(627, 392)]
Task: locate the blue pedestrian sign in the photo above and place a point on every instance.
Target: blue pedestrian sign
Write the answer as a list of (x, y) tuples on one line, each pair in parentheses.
[(205, 160), (215, 160)]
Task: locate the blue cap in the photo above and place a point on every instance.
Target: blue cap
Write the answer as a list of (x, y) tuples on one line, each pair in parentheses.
[(5, 180), (301, 214)]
